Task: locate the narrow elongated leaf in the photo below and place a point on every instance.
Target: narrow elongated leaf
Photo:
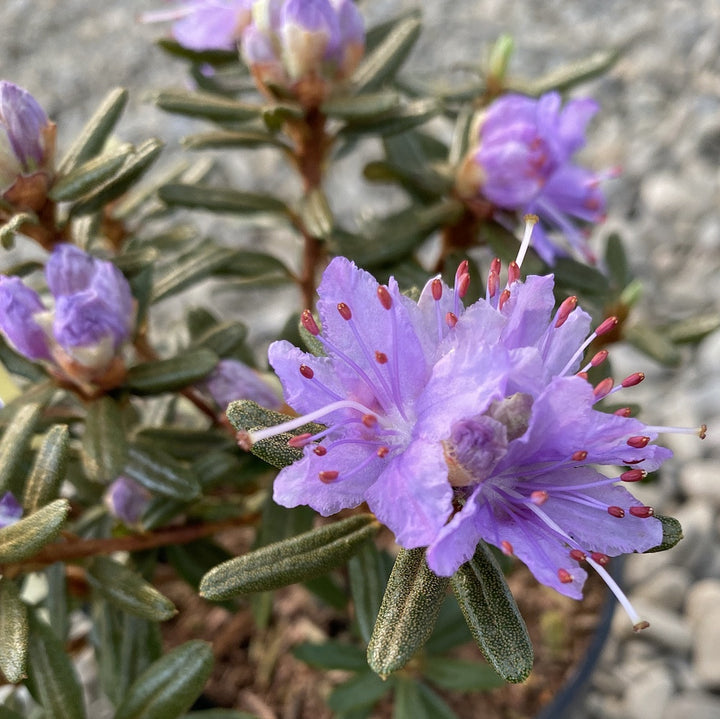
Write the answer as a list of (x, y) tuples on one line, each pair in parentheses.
[(292, 560), (89, 175), (414, 699), (104, 446), (362, 690), (692, 329), (161, 474), (493, 616), (672, 534), (93, 136), (385, 60), (14, 443), (24, 538), (128, 590), (367, 586), (132, 169), (653, 343), (225, 339), (399, 120), (171, 374), (207, 106), (56, 601), (408, 612), (184, 443), (6, 713), (617, 261), (220, 199), (460, 675), (52, 675), (48, 471), (361, 107), (168, 687), (332, 655), (214, 57), (316, 214), (221, 139), (13, 632)]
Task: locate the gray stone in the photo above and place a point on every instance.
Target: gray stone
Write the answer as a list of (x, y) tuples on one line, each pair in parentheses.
[(701, 479), (666, 588), (648, 693), (667, 629), (692, 705), (703, 612), (696, 549)]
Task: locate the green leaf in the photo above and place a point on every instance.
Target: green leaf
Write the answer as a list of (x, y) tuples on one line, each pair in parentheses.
[(6, 713), (385, 60), (51, 674), (206, 105), (316, 215), (362, 690), (214, 57), (14, 443), (672, 533), (367, 106), (493, 616), (292, 560), (220, 199), (414, 700), (161, 474), (217, 714), (617, 261), (332, 655), (401, 119), (222, 139), (56, 600), (183, 443), (93, 136), (132, 169), (17, 364), (225, 340), (89, 175), (408, 612), (692, 329), (460, 675), (13, 632), (579, 276), (128, 591), (450, 629), (168, 687), (368, 577), (27, 536), (171, 374), (196, 265), (104, 447), (276, 115), (253, 264), (653, 344), (48, 470), (193, 560)]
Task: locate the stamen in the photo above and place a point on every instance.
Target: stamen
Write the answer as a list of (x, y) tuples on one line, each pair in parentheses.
[(320, 451), (599, 358), (602, 559), (451, 319), (633, 475), (370, 420), (638, 442), (565, 310), (530, 222), (603, 388), (463, 284), (380, 357), (507, 548), (618, 512), (300, 440), (383, 451), (604, 327), (308, 322), (579, 456), (492, 285), (384, 296), (578, 555), (504, 297), (623, 412), (513, 273), (633, 379), (700, 431), (539, 497), (344, 311), (564, 576), (306, 371), (642, 512), (328, 475), (437, 289)]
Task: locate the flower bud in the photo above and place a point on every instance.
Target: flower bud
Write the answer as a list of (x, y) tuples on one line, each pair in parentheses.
[(27, 146), (232, 380), (10, 510), (126, 500)]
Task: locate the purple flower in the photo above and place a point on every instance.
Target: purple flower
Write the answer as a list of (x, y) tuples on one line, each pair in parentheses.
[(10, 510), (27, 143), (458, 425), (232, 380), (304, 46), (523, 162), (127, 500), (92, 318), (206, 24)]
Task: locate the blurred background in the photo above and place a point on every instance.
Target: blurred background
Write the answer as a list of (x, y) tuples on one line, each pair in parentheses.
[(659, 122)]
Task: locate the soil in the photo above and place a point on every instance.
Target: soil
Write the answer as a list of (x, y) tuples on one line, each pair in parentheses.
[(255, 670)]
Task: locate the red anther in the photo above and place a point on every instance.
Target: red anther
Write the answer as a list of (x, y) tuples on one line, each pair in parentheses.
[(638, 442), (384, 296), (539, 496), (633, 461), (306, 372), (496, 265), (299, 440), (618, 512), (492, 284), (328, 475), (344, 311), (633, 475), (602, 559), (462, 285), (565, 309), (603, 387), (383, 452), (582, 375), (451, 319), (578, 555), (308, 322), (564, 576), (642, 512), (640, 626), (606, 326), (504, 297), (369, 420), (507, 548), (633, 379), (599, 358), (463, 269), (380, 357), (513, 272), (320, 451), (579, 456), (623, 412), (436, 288)]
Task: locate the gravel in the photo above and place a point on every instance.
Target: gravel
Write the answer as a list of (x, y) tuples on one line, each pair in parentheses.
[(660, 122)]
